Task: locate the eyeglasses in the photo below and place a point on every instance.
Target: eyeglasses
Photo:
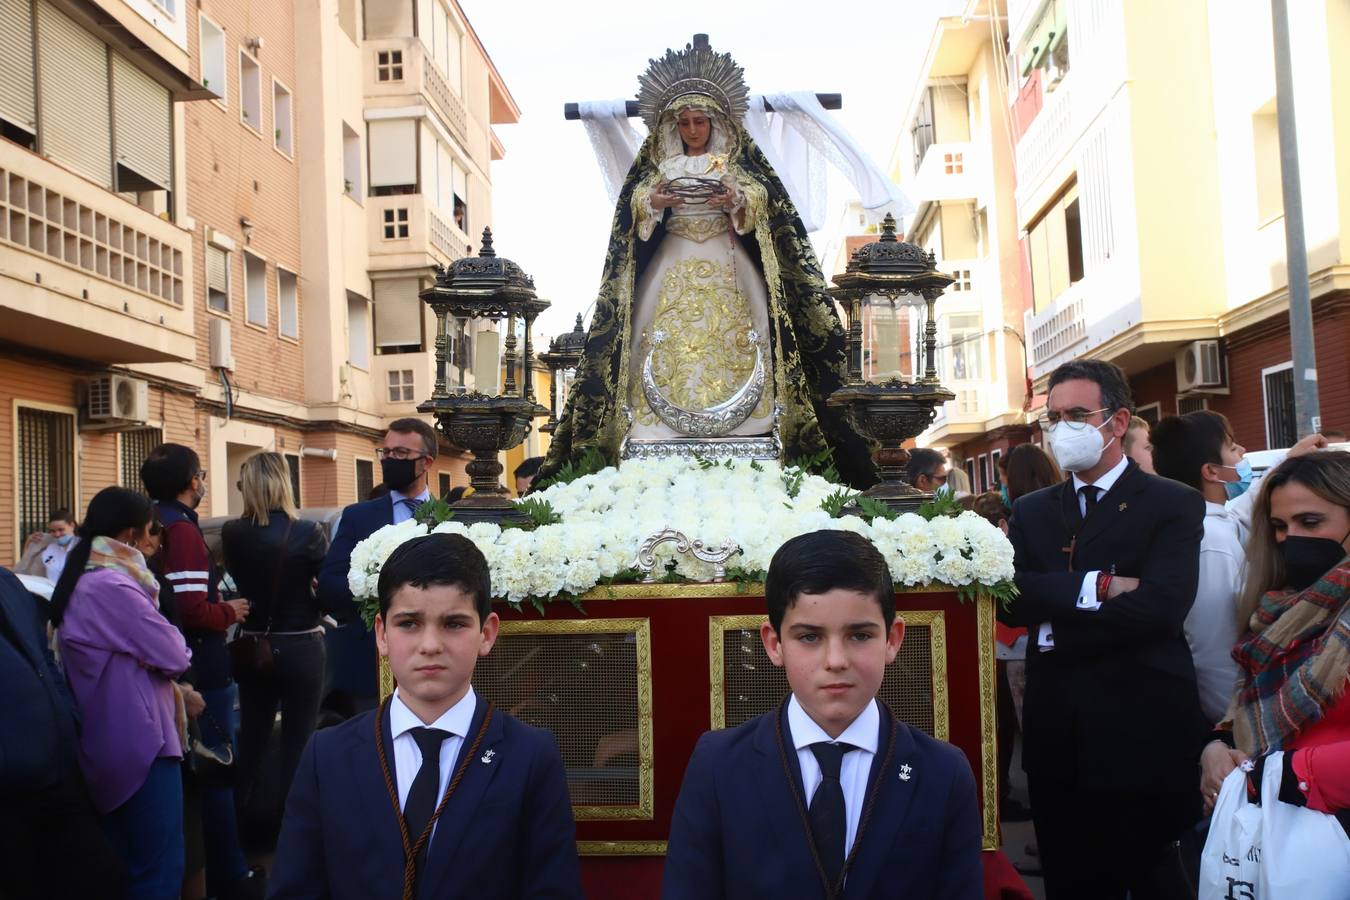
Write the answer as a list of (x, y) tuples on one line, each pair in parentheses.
[(938, 479), (397, 453), (201, 474), (1077, 416)]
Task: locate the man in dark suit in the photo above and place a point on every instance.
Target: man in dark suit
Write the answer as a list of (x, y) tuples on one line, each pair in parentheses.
[(406, 456), (51, 844), (1107, 563), (437, 794), (829, 796)]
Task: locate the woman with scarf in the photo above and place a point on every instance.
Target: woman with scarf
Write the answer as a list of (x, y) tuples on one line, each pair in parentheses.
[(1294, 651), (121, 657), (712, 320)]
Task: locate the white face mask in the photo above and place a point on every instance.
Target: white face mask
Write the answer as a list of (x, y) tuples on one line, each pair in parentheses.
[(1077, 445)]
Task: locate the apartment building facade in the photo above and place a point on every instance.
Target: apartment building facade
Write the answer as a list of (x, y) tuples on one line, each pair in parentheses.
[(955, 160), (1148, 188), (209, 235)]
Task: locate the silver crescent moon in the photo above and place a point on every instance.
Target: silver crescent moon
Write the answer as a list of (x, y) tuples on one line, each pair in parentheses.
[(716, 421)]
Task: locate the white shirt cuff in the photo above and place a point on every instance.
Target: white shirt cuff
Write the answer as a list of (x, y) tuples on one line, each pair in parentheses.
[(1087, 594), (1045, 637)]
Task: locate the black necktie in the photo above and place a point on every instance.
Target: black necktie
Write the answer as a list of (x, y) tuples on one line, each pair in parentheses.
[(829, 821), (424, 795), (1089, 492)]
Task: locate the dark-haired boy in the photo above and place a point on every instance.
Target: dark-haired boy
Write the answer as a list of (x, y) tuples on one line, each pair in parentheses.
[(436, 792), (1198, 449), (829, 795)]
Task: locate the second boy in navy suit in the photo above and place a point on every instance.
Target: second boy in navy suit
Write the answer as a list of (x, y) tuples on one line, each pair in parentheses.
[(436, 794), (829, 796)]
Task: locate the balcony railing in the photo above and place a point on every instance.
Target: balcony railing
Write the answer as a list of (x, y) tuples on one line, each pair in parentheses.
[(416, 73), (125, 246), (1049, 137)]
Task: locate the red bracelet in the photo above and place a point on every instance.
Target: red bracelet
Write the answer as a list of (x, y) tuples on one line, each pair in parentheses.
[(1103, 586)]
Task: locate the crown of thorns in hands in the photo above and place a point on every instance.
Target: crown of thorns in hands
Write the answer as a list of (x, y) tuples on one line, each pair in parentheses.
[(693, 189)]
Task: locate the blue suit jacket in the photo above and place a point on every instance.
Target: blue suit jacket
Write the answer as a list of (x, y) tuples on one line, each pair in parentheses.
[(352, 667), (507, 831), (740, 830)]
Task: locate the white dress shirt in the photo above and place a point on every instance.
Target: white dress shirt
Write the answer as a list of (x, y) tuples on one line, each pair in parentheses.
[(1211, 625), (407, 756), (401, 511), (856, 765), (1087, 594)]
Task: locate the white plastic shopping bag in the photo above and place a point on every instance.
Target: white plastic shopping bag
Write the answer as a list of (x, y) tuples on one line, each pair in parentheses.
[(1272, 850)]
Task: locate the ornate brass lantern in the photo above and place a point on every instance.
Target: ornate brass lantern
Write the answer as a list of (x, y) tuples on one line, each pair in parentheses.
[(564, 354), (880, 277), (485, 286)]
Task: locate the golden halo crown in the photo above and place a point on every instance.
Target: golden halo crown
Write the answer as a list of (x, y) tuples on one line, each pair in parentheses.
[(694, 70)]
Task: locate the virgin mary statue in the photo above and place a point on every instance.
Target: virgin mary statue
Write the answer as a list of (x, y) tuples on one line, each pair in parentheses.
[(712, 323)]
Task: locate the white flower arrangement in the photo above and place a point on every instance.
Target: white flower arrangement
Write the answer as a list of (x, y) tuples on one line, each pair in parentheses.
[(607, 515)]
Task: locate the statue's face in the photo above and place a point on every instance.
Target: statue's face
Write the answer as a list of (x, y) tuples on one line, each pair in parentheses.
[(695, 127)]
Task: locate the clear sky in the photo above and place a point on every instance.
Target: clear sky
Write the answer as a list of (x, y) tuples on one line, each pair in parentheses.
[(550, 211)]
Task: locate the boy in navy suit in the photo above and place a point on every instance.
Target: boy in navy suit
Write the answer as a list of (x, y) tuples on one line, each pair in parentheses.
[(829, 796), (436, 794)]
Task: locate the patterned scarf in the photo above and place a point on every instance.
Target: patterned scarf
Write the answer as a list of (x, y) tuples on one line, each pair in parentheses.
[(106, 553), (1295, 661)]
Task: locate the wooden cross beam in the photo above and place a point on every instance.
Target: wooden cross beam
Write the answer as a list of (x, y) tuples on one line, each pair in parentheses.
[(572, 111)]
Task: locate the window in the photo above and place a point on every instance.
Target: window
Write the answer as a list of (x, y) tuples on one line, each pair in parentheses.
[(213, 57), (393, 155), (982, 468), (18, 97), (142, 130), (395, 223), (365, 479), (461, 349), (921, 133), (283, 129), (962, 277), (255, 289), (398, 316), (46, 467), (347, 19), (250, 92), (358, 330), (966, 345), (217, 278), (401, 385), (970, 469), (389, 65), (1056, 244), (134, 446), (293, 466), (444, 481), (351, 163), (76, 120), (169, 6), (1277, 384), (1190, 404), (953, 163), (994, 457), (1266, 159), (436, 26), (288, 306), (1150, 413)]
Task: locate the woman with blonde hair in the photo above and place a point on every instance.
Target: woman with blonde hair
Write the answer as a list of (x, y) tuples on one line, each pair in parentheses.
[(273, 556), (1293, 651)]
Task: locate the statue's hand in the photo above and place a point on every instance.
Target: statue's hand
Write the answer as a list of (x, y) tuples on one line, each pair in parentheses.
[(663, 199)]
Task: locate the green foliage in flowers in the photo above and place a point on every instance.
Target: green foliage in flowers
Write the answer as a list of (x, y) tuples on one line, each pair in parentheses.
[(591, 461)]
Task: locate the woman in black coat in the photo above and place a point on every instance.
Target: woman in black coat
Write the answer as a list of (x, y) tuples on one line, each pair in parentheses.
[(278, 659)]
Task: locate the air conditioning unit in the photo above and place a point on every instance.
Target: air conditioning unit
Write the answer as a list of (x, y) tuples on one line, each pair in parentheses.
[(1200, 367), (116, 401), (220, 354)]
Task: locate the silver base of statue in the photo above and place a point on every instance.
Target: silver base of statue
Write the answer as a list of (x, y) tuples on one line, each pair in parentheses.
[(769, 446)]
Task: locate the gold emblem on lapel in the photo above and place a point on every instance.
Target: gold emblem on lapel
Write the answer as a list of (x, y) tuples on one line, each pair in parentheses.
[(1122, 507)]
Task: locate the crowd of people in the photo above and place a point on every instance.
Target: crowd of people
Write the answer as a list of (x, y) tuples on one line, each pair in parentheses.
[(1177, 615)]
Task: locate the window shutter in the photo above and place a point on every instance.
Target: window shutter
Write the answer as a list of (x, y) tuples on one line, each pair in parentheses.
[(216, 264), (393, 152), (398, 313), (73, 102), (141, 132), (17, 105)]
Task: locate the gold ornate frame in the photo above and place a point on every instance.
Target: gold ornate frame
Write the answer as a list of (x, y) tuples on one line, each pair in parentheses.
[(642, 630), (984, 633), (621, 848), (934, 619)]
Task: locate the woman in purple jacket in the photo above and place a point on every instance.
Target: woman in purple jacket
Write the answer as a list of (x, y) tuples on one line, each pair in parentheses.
[(121, 657)]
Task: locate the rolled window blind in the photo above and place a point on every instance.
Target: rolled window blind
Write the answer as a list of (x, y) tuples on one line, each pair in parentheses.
[(18, 106), (142, 113), (398, 313), (217, 278), (73, 101)]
